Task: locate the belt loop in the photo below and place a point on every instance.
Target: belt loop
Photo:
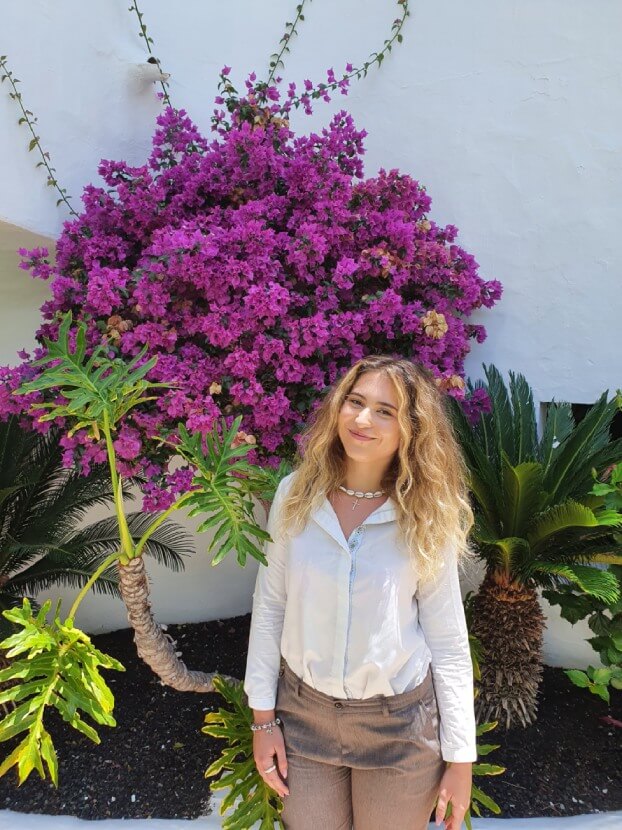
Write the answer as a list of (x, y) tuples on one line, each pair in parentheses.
[(385, 707), (298, 688)]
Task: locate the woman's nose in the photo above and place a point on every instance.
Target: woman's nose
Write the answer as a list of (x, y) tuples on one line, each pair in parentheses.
[(363, 416)]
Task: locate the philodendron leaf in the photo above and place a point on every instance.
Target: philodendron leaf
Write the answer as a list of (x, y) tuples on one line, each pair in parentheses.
[(60, 669), (248, 796)]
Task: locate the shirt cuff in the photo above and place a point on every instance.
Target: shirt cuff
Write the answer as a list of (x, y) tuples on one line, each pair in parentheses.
[(463, 754), (261, 702)]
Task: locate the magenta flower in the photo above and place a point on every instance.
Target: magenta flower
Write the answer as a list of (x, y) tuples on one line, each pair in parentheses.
[(257, 265)]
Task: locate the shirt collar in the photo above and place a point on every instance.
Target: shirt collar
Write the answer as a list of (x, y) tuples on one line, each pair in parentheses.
[(327, 519)]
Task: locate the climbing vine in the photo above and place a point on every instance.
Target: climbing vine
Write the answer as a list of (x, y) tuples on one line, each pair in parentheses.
[(276, 59), (149, 42), (257, 103), (30, 121), (259, 93)]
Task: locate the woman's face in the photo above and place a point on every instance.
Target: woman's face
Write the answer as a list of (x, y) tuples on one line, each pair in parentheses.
[(367, 423)]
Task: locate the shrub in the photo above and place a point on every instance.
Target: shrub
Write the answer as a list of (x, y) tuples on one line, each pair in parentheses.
[(256, 266)]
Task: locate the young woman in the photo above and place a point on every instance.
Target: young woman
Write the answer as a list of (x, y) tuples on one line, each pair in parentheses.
[(359, 673)]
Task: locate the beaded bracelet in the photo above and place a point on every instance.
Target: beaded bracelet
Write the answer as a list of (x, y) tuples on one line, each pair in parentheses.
[(268, 725)]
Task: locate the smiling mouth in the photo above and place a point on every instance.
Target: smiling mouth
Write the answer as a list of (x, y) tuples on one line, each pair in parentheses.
[(359, 436)]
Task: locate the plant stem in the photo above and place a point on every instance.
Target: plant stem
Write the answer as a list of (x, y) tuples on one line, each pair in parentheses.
[(290, 31), (375, 57), (91, 581), (117, 491), (35, 142), (148, 41), (156, 524)]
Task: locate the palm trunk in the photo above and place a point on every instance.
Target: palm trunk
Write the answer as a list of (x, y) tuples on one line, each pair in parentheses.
[(152, 644), (509, 623)]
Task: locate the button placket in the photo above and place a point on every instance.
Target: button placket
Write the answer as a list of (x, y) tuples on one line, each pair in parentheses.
[(354, 543)]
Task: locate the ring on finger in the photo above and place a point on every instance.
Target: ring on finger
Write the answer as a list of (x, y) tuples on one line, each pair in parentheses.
[(271, 769)]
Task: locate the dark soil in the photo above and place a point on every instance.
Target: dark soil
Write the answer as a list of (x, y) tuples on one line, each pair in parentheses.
[(152, 763)]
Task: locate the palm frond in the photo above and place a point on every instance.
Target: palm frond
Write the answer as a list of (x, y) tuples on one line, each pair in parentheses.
[(558, 424), (600, 584), (43, 575), (586, 439), (524, 420), (15, 443), (168, 545), (485, 479), (580, 480), (523, 495), (577, 544), (66, 503), (570, 514), (498, 424), (508, 553)]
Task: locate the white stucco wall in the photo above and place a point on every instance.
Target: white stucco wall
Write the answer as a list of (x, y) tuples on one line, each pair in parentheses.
[(509, 113)]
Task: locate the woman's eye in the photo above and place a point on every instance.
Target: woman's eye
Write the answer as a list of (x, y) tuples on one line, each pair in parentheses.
[(357, 402)]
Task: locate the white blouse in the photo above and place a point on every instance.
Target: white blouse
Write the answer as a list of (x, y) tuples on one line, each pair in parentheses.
[(351, 620)]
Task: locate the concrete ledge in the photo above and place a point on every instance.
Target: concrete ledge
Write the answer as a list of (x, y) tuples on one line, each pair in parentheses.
[(29, 821)]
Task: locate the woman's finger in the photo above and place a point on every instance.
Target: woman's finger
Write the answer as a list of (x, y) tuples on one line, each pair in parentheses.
[(281, 759), (274, 781), (441, 806)]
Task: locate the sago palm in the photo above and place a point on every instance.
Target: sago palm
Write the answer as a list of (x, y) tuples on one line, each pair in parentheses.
[(43, 538), (535, 526)]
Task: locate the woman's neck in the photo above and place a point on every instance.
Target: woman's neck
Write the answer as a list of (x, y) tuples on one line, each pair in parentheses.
[(360, 477)]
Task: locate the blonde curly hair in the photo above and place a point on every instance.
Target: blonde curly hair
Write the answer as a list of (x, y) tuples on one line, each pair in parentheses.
[(426, 477)]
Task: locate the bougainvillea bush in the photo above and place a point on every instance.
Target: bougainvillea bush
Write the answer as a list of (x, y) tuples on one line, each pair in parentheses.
[(256, 265)]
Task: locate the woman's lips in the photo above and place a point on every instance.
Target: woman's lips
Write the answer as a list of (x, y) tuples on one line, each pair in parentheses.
[(359, 436)]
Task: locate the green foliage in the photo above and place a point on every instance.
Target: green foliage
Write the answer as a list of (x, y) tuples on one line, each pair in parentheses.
[(59, 668), (597, 680), (475, 647), (30, 121), (224, 484), (603, 613), (536, 518), (479, 798), (148, 43), (99, 390), (95, 393), (43, 540), (257, 801), (605, 620)]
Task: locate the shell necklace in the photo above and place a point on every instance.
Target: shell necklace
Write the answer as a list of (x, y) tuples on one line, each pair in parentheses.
[(358, 494)]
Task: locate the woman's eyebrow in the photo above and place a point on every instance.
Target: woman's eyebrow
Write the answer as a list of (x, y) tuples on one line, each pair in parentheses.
[(384, 403)]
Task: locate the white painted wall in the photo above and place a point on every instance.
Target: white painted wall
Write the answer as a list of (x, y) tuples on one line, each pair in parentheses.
[(509, 113)]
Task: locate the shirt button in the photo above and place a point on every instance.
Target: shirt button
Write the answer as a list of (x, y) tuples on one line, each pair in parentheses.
[(338, 705)]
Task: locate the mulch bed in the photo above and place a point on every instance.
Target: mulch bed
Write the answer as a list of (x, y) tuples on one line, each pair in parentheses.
[(151, 764)]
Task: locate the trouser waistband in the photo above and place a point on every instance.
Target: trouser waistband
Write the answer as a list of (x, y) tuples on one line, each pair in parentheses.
[(378, 703)]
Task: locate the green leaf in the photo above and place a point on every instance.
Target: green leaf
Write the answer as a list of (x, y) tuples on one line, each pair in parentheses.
[(67, 678), (523, 495), (600, 584), (48, 754), (579, 678), (488, 769), (478, 795)]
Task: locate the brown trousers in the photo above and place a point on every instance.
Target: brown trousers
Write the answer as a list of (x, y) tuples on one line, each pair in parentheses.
[(375, 763)]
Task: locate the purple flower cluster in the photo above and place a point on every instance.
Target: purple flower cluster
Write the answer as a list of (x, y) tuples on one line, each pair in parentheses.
[(257, 266)]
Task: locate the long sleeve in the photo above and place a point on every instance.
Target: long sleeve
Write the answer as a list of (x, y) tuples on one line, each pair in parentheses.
[(264, 645), (442, 620)]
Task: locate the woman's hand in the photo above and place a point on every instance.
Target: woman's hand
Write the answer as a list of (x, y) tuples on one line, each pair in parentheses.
[(265, 747), (455, 786)]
